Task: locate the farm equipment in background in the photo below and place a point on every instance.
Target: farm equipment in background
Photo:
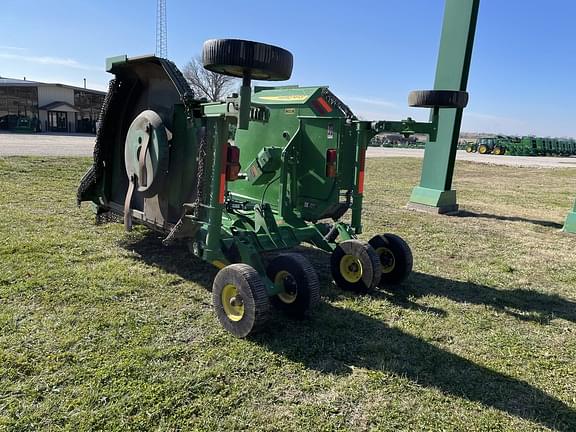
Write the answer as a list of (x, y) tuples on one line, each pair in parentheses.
[(493, 145), (524, 146), (245, 180), (396, 141)]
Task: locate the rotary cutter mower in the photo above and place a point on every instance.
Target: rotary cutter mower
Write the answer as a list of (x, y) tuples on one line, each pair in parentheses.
[(246, 180)]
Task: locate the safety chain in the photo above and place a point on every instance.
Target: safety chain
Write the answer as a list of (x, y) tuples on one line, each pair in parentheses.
[(181, 85), (94, 174), (201, 163)]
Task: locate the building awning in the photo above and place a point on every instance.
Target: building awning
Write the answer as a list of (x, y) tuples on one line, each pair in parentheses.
[(59, 106)]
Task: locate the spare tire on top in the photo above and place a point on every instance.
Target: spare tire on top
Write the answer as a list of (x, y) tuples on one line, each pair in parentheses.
[(240, 58)]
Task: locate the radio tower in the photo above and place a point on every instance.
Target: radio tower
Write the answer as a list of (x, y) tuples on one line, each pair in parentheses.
[(161, 32)]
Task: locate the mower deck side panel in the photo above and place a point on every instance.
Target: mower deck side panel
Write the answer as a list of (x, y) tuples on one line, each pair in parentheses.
[(144, 85)]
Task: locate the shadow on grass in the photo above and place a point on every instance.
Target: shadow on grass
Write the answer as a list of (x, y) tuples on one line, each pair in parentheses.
[(469, 214), (335, 341), (526, 305), (175, 259)]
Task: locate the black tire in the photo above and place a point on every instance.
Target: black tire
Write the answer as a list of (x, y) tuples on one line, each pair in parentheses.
[(355, 266), (239, 58), (502, 151), (251, 310), (469, 149), (438, 98), (483, 149), (300, 280), (395, 257)]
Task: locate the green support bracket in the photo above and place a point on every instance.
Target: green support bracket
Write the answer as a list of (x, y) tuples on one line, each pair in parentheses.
[(435, 194), (570, 225)]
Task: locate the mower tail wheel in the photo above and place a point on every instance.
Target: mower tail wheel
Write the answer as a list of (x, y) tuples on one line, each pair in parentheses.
[(299, 282), (438, 99), (240, 299), (242, 58), (355, 266), (395, 257)]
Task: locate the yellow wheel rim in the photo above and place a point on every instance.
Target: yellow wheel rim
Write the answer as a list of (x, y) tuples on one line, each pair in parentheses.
[(387, 259), (482, 149), (232, 303), (279, 281), (351, 268)]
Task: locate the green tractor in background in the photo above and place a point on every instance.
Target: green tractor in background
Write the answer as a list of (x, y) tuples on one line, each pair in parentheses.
[(246, 180), (489, 145)]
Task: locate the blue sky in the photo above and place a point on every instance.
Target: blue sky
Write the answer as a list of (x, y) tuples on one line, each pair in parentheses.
[(371, 53)]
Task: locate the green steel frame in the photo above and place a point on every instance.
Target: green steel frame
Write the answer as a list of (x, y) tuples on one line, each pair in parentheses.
[(435, 192), (570, 225), (267, 226)]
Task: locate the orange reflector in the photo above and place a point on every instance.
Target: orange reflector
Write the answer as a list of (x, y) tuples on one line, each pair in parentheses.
[(331, 170), (361, 167), (222, 192), (223, 166)]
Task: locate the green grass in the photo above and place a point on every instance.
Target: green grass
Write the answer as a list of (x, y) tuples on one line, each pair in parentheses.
[(103, 330)]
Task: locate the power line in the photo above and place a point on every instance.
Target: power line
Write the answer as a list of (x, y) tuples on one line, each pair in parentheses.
[(161, 30)]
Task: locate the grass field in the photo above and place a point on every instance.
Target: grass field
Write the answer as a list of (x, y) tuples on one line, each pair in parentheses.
[(103, 330)]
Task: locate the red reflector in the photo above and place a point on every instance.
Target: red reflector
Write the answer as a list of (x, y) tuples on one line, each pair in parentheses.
[(325, 105), (223, 169), (232, 163), (233, 154), (362, 159), (331, 162), (331, 155), (361, 182), (361, 167)]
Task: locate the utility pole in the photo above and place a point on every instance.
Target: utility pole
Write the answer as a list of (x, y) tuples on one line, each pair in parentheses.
[(161, 30)]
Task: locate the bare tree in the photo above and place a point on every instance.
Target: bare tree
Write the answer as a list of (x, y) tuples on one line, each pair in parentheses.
[(213, 86)]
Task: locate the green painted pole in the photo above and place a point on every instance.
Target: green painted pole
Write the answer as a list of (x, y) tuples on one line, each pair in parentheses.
[(435, 194), (570, 225)]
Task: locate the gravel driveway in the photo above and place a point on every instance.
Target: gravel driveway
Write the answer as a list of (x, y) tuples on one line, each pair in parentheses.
[(81, 145), (45, 144)]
